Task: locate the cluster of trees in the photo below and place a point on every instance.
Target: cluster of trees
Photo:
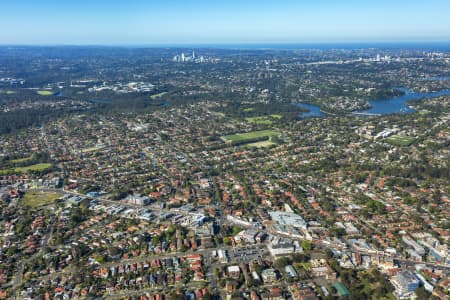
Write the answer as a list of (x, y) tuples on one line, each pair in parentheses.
[(363, 284), (385, 93), (19, 119), (366, 284), (238, 110)]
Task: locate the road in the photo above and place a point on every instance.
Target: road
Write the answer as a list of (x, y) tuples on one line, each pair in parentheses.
[(236, 254)]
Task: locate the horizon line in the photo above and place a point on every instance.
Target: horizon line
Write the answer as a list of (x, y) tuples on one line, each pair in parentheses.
[(267, 44)]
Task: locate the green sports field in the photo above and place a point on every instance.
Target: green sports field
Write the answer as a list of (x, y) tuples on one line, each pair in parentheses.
[(249, 137), (32, 168), (35, 198), (263, 144), (21, 160), (45, 93), (156, 96), (263, 120), (400, 140)]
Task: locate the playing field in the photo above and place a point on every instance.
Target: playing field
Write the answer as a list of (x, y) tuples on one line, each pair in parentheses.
[(32, 168), (45, 93), (263, 144), (35, 199), (400, 140), (249, 137), (156, 96), (263, 120), (21, 160)]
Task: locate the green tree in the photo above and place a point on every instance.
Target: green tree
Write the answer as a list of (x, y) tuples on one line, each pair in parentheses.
[(422, 294), (281, 262), (307, 245)]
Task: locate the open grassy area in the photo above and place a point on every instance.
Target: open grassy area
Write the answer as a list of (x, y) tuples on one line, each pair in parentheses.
[(263, 144), (248, 109), (249, 137), (263, 120), (36, 167), (156, 96), (45, 93), (307, 266), (10, 92), (400, 140), (21, 160), (32, 168), (424, 112), (36, 199)]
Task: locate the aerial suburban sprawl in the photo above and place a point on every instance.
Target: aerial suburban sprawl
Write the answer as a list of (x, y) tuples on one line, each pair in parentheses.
[(208, 173)]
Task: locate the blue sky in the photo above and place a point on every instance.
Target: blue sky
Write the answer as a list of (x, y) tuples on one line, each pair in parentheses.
[(141, 22)]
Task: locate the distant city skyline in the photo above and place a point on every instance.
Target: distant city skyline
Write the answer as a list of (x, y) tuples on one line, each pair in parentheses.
[(140, 22)]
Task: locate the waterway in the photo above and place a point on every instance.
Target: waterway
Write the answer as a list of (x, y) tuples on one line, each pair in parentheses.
[(400, 104), (393, 105), (314, 110)]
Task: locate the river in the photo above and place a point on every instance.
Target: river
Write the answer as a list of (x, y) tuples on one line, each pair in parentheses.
[(381, 107)]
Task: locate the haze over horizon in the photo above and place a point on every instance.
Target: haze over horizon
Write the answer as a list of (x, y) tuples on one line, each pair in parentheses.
[(220, 22)]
